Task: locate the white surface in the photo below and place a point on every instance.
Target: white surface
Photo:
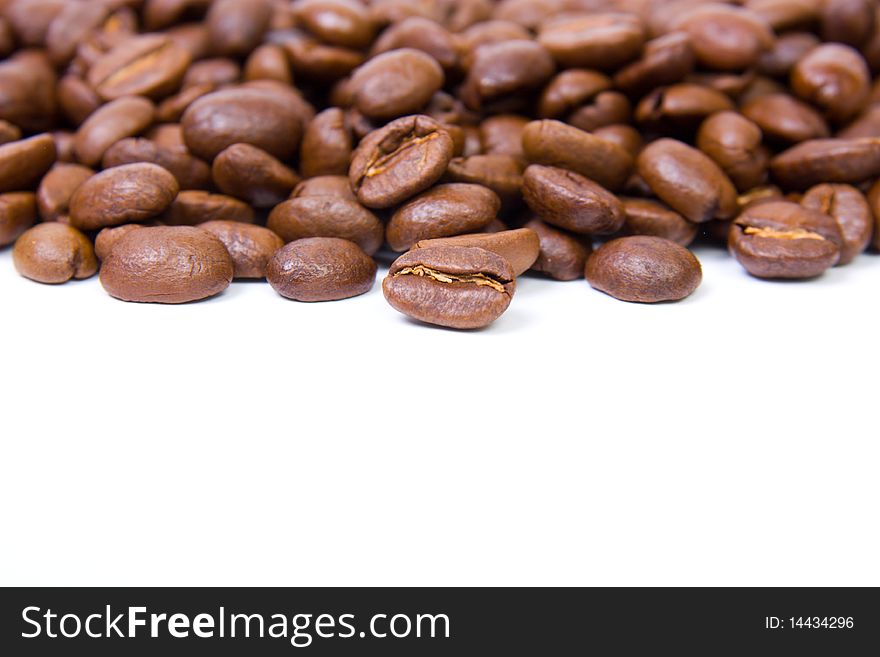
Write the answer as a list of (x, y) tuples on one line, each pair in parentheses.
[(728, 439)]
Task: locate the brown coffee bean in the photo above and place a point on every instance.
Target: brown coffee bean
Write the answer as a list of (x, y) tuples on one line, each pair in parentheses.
[(442, 211), (784, 240), (569, 200), (786, 52), (569, 90), (54, 253), (849, 208), (625, 136), (313, 60), (150, 65), (502, 135), (327, 216), (192, 207), (251, 174), (18, 212), (56, 189), (503, 74), (562, 255), (835, 78), (107, 238), (236, 27), (77, 99), (337, 22), (395, 83), (519, 247), (9, 132), (321, 269), (784, 15), (680, 106), (847, 21), (500, 173), (665, 60), (167, 264), (30, 19), (250, 246), (132, 193), (338, 186), (725, 38), (866, 125), (600, 41), (216, 72), (827, 160), (400, 160), (649, 217), (556, 144), (190, 172), (453, 286), (644, 269), (326, 145), (422, 34), (27, 91), (268, 62), (245, 115), (125, 117), (687, 180), (481, 34), (172, 108), (158, 14), (23, 162), (71, 26), (783, 118), (194, 38), (607, 108), (734, 143)]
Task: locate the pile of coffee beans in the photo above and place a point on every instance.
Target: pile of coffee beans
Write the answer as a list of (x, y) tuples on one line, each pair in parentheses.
[(173, 146)]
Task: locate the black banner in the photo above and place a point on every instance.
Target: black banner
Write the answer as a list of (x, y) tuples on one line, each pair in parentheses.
[(450, 621)]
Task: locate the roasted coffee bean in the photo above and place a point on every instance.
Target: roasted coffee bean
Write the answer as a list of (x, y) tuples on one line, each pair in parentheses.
[(77, 99), (503, 74), (783, 118), (442, 211), (243, 115), (9, 132), (569, 90), (315, 61), (569, 200), (481, 34), (649, 217), (519, 247), (107, 238), (150, 65), (27, 91), (172, 108), (395, 83), (665, 60), (193, 207), (159, 14), (644, 269), (687, 181), (556, 144), (422, 34), (18, 212), (847, 21), (344, 23), (321, 269), (784, 240), (54, 253), (453, 286), (23, 162), (562, 255), (338, 186), (399, 160), (236, 27), (216, 72), (835, 78), (680, 106), (625, 136), (167, 264), (327, 216), (724, 37), (268, 62), (849, 208), (503, 135), (326, 145), (827, 160), (600, 41), (190, 172), (788, 50), (500, 173), (131, 193), (250, 246), (251, 174), (71, 26), (114, 121), (607, 108), (734, 143), (56, 189), (866, 125)]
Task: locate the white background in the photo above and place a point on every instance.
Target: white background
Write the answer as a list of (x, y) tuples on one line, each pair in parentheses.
[(731, 439)]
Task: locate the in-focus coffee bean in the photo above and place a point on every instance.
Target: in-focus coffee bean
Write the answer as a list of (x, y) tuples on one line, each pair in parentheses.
[(251, 174), (849, 208), (249, 246), (562, 255), (519, 247), (54, 253), (327, 216), (321, 269)]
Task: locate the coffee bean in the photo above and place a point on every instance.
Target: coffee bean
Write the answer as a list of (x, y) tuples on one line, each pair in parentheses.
[(18, 212), (236, 27), (172, 108), (600, 41), (268, 62), (150, 65), (131, 193), (442, 211), (846, 21), (783, 118), (784, 240), (569, 90), (9, 132), (503, 135), (606, 108), (23, 162), (216, 72), (665, 60), (865, 125), (251, 174), (649, 217), (786, 52), (452, 286), (500, 173), (167, 264), (849, 208), (327, 216), (422, 34), (687, 180), (644, 269), (571, 201), (734, 143), (835, 78), (107, 238), (242, 115), (193, 207), (114, 121), (54, 253), (326, 145), (250, 246), (556, 144), (190, 172), (321, 269), (680, 107), (562, 255), (71, 26), (874, 202), (315, 61), (502, 74), (27, 91), (395, 83), (56, 189), (827, 160), (519, 247), (325, 186), (625, 136), (724, 37), (399, 160), (77, 99), (337, 22)]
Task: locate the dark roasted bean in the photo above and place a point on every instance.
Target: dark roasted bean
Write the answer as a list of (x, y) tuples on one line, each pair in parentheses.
[(251, 174)]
